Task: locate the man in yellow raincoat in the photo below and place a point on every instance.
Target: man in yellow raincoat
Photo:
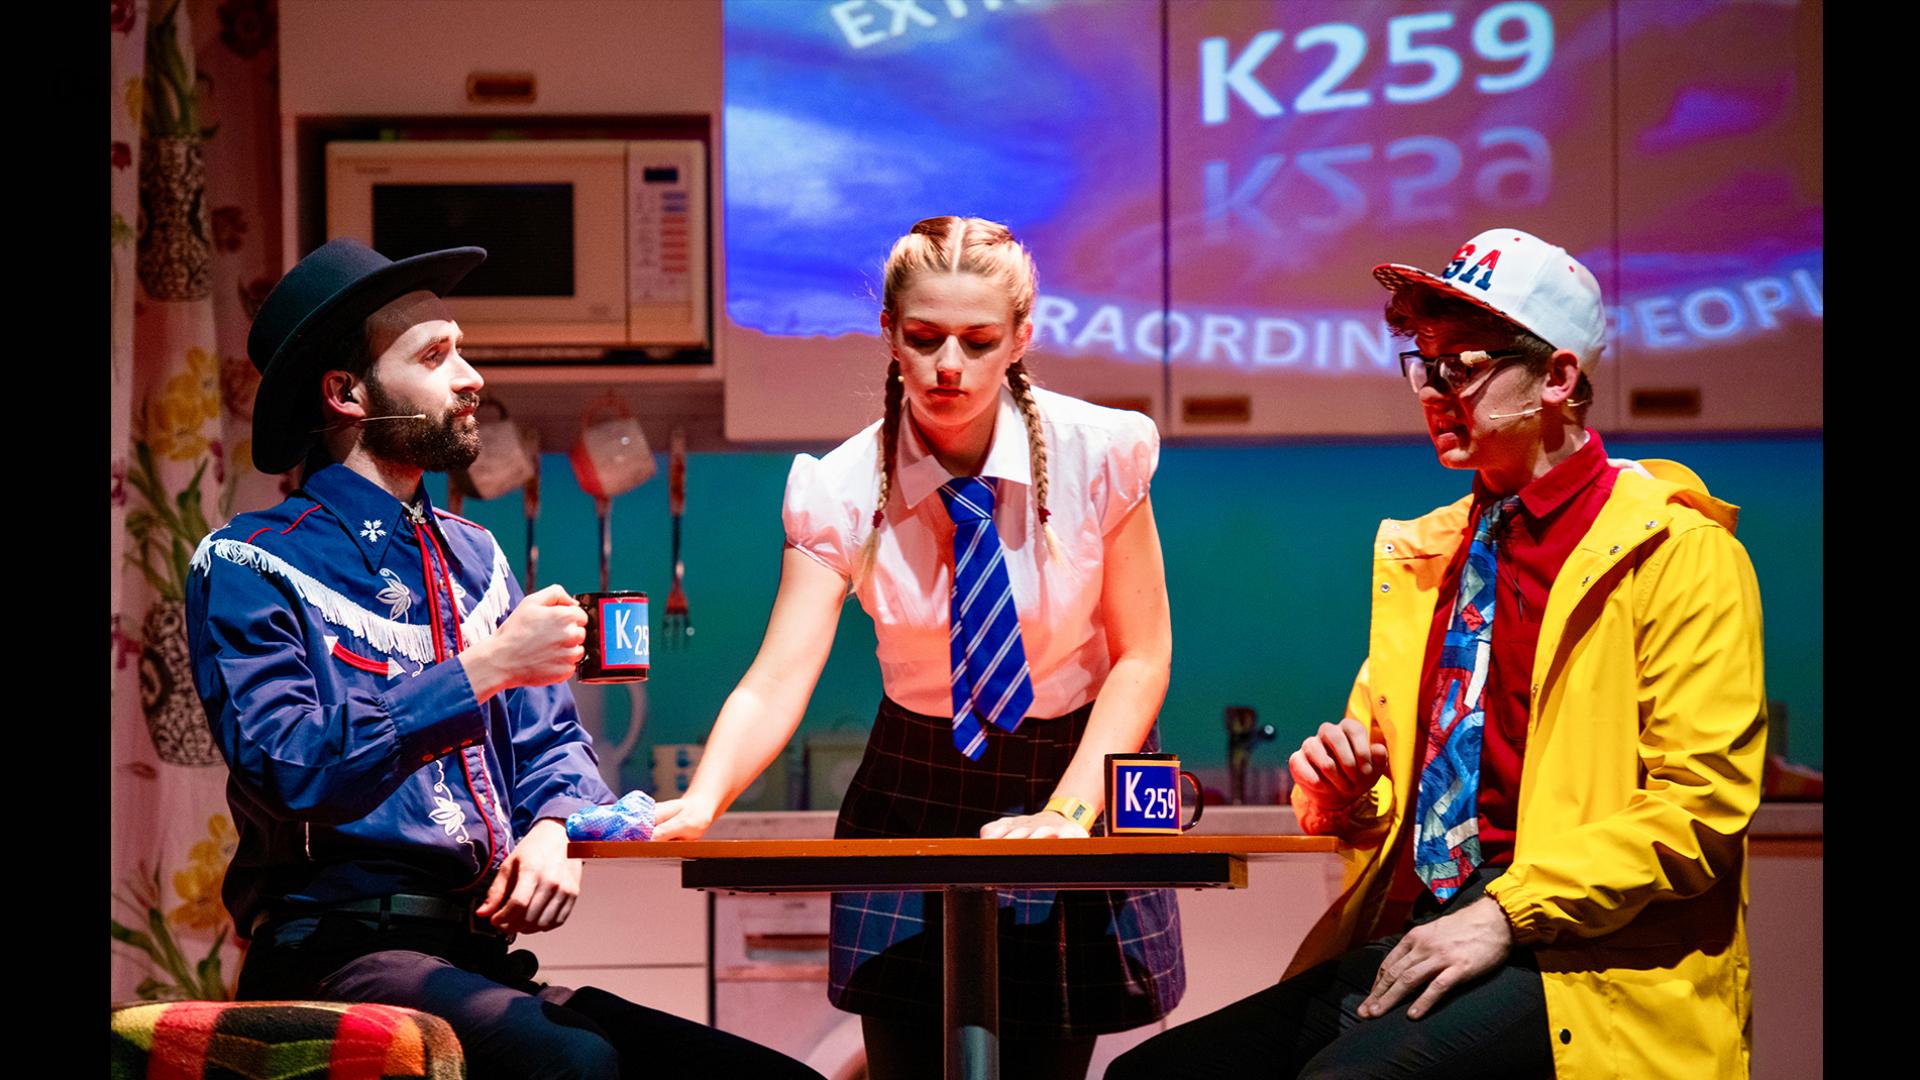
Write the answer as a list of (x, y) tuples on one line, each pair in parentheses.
[(1551, 756)]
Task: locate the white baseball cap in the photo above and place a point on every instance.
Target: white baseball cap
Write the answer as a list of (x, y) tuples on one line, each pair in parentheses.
[(1525, 280)]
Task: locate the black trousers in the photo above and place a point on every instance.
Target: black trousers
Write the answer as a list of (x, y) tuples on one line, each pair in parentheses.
[(1307, 1026), (508, 1025)]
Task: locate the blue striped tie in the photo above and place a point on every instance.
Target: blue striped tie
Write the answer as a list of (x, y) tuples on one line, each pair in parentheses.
[(991, 683)]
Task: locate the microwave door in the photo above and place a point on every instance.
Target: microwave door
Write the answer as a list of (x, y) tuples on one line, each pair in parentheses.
[(550, 214)]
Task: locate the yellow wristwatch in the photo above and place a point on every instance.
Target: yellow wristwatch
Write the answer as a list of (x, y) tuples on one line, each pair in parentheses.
[(1078, 811)]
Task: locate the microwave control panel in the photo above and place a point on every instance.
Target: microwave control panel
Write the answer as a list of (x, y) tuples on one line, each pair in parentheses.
[(667, 241)]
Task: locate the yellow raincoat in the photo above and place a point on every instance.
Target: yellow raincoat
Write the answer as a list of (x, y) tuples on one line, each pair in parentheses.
[(1645, 741)]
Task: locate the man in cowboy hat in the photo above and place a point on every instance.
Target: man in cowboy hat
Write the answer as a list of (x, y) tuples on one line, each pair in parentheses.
[(402, 746), (1552, 753)]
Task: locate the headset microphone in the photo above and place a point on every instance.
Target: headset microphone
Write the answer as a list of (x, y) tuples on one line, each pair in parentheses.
[(1535, 409), (1524, 412), (366, 420)]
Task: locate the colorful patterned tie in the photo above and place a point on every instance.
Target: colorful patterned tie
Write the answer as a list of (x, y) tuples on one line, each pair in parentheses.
[(1447, 824), (991, 683)]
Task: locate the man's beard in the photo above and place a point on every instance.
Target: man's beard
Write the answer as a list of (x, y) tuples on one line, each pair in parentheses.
[(436, 444)]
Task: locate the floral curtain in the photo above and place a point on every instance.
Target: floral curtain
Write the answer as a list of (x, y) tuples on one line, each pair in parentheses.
[(195, 246)]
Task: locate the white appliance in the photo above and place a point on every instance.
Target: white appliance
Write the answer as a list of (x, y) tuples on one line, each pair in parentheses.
[(591, 242)]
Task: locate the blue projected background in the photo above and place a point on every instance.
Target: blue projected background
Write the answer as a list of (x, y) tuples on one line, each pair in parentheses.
[(839, 136), (1672, 147)]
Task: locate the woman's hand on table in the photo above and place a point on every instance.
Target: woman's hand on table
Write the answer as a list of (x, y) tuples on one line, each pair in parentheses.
[(682, 819), (1031, 827)]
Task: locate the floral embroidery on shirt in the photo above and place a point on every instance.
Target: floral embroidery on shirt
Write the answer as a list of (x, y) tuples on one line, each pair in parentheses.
[(373, 531), (447, 814), (396, 595)]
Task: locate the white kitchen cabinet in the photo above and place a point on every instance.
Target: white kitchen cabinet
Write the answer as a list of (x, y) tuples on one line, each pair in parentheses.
[(415, 57), (1719, 306), (634, 932), (597, 68)]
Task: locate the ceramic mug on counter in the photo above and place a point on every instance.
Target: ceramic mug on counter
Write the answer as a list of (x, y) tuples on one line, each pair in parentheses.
[(1143, 795)]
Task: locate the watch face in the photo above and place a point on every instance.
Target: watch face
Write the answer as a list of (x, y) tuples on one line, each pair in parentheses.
[(1078, 811)]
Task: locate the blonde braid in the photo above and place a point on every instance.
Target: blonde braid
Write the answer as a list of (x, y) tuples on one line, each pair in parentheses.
[(889, 448), (1022, 388)]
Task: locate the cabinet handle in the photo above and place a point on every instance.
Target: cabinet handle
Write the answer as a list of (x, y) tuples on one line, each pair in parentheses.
[(1665, 401), (501, 87), (787, 942), (1227, 409)]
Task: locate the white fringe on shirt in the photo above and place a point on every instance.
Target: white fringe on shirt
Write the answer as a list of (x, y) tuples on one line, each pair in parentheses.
[(381, 633)]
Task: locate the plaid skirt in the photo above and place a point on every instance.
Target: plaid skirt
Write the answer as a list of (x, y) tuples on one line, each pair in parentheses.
[(1072, 962)]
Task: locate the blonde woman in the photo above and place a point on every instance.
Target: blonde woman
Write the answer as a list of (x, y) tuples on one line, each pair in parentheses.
[(1002, 539)]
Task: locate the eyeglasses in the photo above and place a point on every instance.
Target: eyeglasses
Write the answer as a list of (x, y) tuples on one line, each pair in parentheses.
[(1453, 374)]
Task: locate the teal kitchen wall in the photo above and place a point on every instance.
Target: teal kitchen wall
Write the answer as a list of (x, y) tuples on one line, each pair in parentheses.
[(1267, 568)]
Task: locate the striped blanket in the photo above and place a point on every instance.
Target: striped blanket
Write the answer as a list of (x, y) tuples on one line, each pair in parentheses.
[(281, 1040)]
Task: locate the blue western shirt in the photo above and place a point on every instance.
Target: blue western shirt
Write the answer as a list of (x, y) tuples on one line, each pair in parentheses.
[(324, 634)]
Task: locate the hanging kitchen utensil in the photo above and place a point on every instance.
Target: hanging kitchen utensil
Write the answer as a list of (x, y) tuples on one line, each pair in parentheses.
[(603, 508), (610, 457), (677, 626), (530, 498)]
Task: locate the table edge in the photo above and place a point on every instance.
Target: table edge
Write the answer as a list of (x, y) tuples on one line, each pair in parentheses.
[(937, 847)]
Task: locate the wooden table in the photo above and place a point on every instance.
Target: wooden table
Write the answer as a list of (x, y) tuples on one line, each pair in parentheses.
[(968, 873)]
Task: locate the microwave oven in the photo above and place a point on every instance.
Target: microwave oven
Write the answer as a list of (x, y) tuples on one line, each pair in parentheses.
[(590, 242)]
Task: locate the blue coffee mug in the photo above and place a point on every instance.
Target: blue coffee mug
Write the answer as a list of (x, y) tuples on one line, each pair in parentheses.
[(618, 647), (1143, 795)]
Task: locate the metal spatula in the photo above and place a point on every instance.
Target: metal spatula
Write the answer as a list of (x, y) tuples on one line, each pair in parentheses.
[(677, 625)]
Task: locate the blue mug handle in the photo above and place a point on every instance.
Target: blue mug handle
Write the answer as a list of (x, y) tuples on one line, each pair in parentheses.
[(1199, 799)]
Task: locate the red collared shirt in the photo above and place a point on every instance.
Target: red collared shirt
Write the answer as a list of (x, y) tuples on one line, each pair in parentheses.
[(1556, 510)]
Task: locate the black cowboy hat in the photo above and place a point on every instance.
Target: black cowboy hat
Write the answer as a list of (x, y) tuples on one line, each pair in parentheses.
[(329, 293)]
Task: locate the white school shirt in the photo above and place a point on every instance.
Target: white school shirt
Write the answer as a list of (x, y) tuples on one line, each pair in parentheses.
[(1100, 462)]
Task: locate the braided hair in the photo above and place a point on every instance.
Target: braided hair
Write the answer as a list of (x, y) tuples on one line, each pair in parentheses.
[(954, 245), (1022, 388)]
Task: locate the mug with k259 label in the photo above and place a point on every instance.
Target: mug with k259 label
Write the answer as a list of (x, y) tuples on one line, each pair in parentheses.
[(1143, 795), (618, 647)]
